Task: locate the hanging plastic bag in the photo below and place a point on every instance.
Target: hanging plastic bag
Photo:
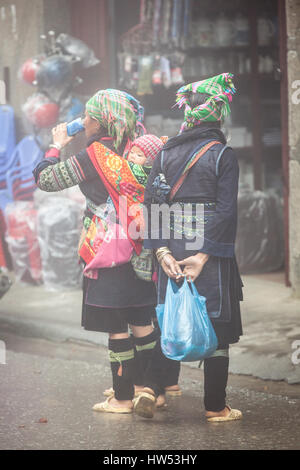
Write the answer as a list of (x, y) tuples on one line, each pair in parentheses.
[(55, 76), (76, 47), (186, 330), (22, 241), (41, 111), (5, 281)]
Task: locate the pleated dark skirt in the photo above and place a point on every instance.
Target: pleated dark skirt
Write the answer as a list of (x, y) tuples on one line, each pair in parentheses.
[(115, 320), (116, 299)]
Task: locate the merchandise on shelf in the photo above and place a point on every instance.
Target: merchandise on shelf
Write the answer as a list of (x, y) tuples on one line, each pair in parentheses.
[(204, 45)]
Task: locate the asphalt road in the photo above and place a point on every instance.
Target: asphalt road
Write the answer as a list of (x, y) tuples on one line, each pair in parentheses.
[(47, 390)]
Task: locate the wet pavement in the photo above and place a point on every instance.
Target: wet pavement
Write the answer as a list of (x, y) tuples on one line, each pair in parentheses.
[(47, 390), (270, 318)]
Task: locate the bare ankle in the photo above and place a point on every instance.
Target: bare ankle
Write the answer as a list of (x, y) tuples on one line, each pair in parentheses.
[(148, 390), (172, 387), (116, 402), (223, 412)]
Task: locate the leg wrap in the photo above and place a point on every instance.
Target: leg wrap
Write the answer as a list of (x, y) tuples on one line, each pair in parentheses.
[(144, 347), (121, 358)]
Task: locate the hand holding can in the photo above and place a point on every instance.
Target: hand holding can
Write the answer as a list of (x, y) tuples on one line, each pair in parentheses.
[(60, 135)]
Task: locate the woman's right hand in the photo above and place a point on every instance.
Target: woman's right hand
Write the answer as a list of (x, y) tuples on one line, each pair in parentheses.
[(60, 135), (171, 267)]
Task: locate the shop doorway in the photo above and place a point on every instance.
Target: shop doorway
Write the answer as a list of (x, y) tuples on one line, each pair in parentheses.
[(245, 37)]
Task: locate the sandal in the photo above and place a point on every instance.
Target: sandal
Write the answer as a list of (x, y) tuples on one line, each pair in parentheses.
[(233, 415), (108, 408), (144, 405)]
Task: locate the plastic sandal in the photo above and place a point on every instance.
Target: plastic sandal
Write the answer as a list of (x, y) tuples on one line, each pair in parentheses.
[(106, 407), (233, 415), (144, 405)]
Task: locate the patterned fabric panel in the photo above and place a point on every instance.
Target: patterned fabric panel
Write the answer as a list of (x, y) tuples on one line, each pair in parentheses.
[(61, 175)]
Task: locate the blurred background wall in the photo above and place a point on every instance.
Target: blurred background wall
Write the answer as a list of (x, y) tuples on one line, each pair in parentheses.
[(293, 64)]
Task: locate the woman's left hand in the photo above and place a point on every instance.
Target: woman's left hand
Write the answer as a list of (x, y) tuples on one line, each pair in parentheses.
[(171, 267), (193, 265), (60, 135)]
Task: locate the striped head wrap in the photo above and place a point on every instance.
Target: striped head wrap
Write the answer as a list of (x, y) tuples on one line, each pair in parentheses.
[(115, 113), (220, 88), (138, 108), (140, 114)]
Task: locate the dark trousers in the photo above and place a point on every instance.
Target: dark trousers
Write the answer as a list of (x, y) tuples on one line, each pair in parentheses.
[(162, 371), (215, 382)]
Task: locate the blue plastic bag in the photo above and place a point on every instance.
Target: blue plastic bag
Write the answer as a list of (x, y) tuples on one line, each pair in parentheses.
[(186, 330)]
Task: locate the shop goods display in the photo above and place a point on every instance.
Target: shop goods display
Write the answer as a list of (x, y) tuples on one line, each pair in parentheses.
[(42, 238), (178, 41), (7, 142), (5, 281), (52, 73), (19, 178), (23, 245), (260, 213), (58, 232)]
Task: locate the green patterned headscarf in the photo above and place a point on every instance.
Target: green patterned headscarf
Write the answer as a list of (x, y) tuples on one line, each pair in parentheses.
[(220, 88), (115, 113)]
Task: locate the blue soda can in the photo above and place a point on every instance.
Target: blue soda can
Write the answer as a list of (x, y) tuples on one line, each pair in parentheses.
[(74, 127)]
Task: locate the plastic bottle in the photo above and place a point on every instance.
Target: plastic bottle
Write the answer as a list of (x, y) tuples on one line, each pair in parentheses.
[(74, 127)]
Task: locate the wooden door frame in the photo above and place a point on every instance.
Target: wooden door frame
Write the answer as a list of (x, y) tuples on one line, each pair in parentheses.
[(284, 128), (90, 23)]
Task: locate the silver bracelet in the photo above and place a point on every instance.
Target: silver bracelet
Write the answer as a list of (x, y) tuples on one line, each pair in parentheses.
[(55, 146)]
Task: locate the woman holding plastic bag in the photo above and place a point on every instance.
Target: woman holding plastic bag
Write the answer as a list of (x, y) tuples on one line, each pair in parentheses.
[(198, 174), (115, 294)]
